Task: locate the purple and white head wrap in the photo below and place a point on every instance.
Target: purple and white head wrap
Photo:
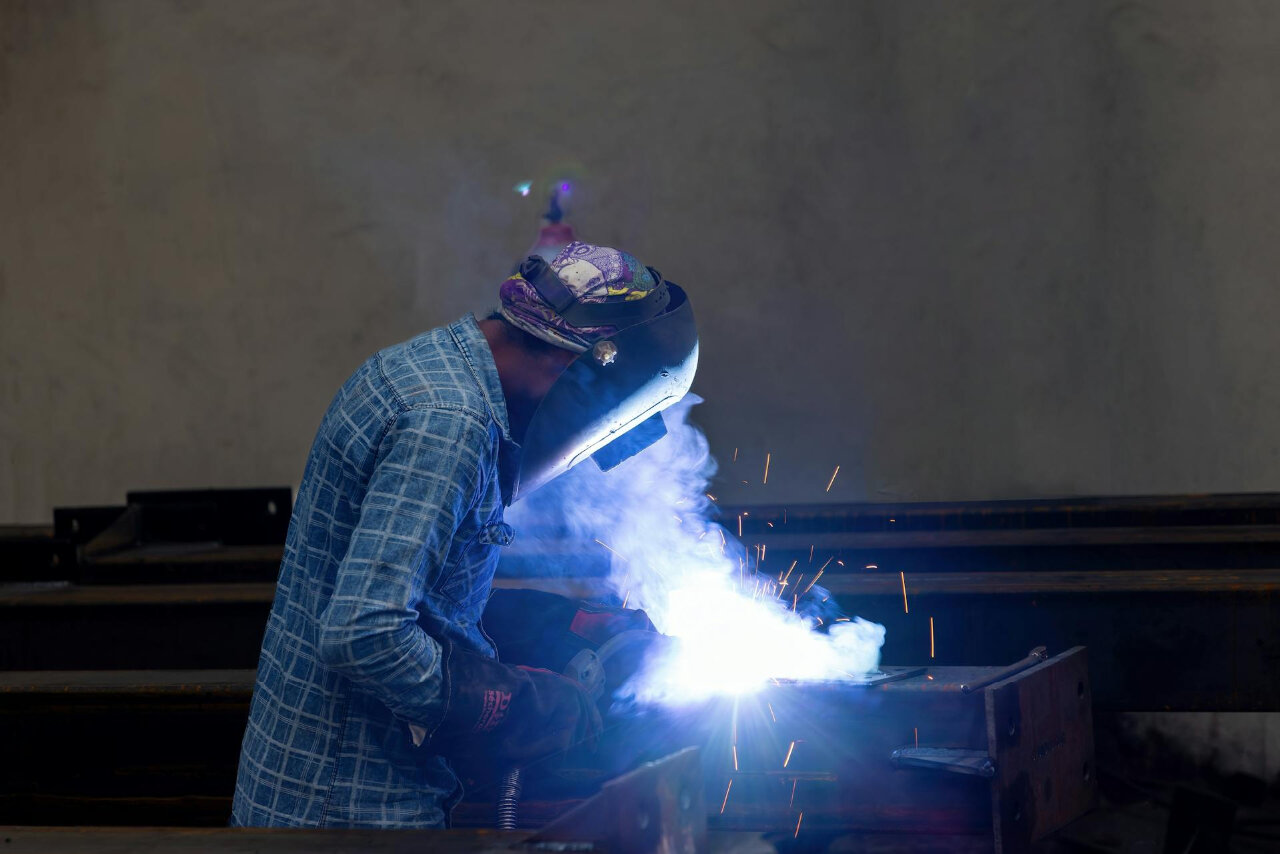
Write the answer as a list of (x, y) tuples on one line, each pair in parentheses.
[(594, 274)]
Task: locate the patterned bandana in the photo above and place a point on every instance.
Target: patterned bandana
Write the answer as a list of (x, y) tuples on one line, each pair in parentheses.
[(594, 274)]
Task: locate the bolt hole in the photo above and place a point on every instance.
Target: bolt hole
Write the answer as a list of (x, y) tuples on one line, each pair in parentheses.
[(271, 508), (1013, 726)]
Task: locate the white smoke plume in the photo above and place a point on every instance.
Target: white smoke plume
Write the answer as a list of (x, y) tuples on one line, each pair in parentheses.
[(692, 578)]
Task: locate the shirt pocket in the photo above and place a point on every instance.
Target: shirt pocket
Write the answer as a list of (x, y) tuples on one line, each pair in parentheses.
[(468, 581), (497, 534)]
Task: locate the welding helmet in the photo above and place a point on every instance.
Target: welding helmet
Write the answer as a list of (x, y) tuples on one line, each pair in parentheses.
[(607, 402)]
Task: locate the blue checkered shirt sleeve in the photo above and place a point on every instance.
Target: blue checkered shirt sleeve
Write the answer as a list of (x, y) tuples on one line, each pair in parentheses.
[(427, 475)]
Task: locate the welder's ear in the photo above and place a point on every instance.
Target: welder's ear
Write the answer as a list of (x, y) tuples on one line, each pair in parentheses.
[(631, 442)]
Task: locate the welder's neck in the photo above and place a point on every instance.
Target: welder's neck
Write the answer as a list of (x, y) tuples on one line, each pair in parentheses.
[(525, 373)]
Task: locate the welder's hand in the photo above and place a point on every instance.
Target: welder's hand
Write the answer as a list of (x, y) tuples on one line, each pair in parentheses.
[(512, 715), (545, 630), (569, 715), (600, 623)]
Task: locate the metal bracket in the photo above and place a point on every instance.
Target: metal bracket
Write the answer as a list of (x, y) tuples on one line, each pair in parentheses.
[(953, 760), (658, 807)]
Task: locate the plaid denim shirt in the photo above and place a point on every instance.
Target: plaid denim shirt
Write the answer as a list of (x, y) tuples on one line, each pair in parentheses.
[(393, 541)]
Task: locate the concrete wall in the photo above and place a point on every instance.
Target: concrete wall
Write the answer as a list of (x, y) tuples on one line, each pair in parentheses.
[(963, 250)]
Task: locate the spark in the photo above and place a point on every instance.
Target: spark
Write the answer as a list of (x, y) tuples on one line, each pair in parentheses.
[(839, 563), (725, 802), (626, 598), (735, 455), (788, 575), (712, 497), (679, 521), (842, 619), (770, 524), (766, 468), (789, 751), (916, 730), (771, 714), (819, 619), (833, 478), (893, 520), (815, 579), (905, 609), (795, 600), (523, 187), (828, 563), (931, 637), (872, 566), (796, 835), (764, 547), (739, 525), (735, 757), (810, 554), (792, 802), (929, 677), (615, 551)]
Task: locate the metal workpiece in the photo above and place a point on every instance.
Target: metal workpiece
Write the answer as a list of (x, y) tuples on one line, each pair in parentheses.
[(912, 753)]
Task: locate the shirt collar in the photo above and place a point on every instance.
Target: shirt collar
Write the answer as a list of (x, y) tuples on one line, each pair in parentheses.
[(475, 349)]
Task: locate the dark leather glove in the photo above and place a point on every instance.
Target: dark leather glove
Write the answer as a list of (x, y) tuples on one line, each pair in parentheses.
[(600, 623), (545, 630), (512, 715)]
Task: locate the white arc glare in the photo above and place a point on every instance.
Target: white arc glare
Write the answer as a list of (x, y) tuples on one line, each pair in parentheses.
[(667, 557)]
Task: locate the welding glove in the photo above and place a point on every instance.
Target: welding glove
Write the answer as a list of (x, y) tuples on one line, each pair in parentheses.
[(512, 715), (545, 630)]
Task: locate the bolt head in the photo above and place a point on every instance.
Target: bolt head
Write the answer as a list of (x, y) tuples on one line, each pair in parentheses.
[(605, 352)]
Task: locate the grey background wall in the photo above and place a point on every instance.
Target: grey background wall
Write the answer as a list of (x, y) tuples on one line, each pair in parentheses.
[(964, 250)]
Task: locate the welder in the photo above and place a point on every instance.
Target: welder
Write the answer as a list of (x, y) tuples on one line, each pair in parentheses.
[(375, 668)]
